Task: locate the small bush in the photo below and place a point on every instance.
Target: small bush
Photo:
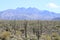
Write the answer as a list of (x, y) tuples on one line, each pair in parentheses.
[(55, 36), (5, 35), (46, 37)]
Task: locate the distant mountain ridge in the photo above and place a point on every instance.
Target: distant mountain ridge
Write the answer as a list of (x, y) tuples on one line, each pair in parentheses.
[(28, 14), (57, 18)]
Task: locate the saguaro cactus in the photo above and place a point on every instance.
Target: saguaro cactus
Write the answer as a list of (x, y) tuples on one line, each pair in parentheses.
[(39, 31), (41, 26), (25, 26)]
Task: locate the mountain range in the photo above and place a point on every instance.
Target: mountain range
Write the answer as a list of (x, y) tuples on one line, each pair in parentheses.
[(28, 14)]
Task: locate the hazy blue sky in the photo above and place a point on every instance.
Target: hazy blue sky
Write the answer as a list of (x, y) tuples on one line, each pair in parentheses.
[(51, 5)]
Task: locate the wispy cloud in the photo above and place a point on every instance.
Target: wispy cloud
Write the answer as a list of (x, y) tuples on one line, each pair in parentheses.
[(53, 5)]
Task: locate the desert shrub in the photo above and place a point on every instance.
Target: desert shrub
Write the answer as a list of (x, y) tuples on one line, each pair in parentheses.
[(5, 35), (33, 39), (22, 31), (25, 38), (58, 26), (45, 37), (18, 33), (55, 36)]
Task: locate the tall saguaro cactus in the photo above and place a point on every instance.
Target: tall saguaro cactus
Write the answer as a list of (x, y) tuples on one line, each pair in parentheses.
[(41, 26), (25, 27), (39, 31)]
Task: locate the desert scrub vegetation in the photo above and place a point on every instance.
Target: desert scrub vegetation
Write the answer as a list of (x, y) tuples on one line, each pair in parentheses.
[(5, 35), (29, 30), (55, 36), (45, 37)]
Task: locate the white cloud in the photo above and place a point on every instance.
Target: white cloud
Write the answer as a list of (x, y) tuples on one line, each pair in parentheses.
[(53, 5)]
